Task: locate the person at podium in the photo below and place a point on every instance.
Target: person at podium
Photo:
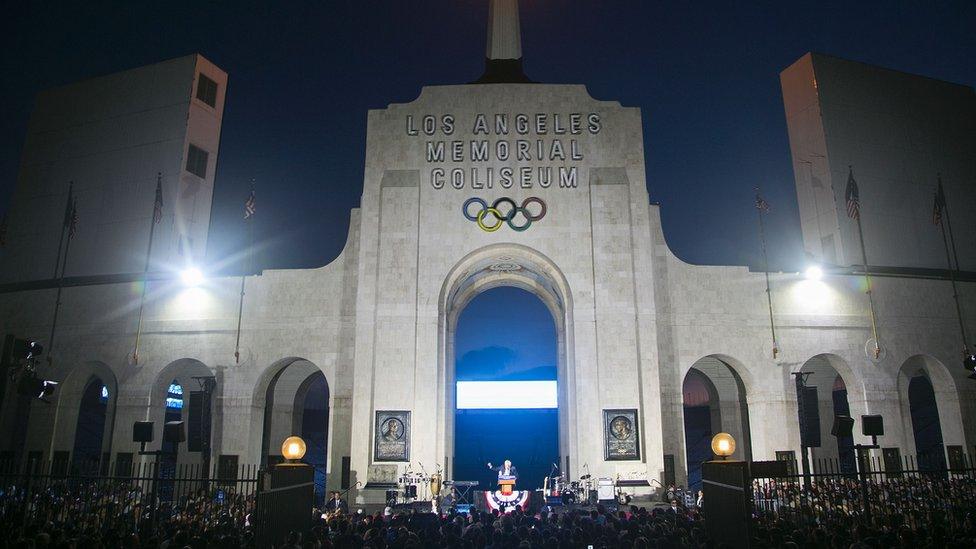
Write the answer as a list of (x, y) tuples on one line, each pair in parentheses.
[(506, 469)]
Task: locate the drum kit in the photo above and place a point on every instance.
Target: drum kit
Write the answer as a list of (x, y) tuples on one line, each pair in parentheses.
[(413, 486), (588, 490), (568, 492)]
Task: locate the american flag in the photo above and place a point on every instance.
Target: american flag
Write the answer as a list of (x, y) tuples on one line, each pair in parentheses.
[(73, 223), (940, 204), (761, 203), (158, 204), (853, 197), (250, 206)]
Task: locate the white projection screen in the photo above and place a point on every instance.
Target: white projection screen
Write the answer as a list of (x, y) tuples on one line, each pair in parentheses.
[(505, 394)]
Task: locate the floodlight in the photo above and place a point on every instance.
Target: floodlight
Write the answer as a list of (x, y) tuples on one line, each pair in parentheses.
[(191, 276), (813, 273)]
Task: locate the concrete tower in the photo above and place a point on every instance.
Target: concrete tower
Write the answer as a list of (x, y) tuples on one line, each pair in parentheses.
[(504, 34), (503, 58)]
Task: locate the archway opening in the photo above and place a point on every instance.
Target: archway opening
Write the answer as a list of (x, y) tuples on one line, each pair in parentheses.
[(312, 424), (835, 453), (926, 427), (506, 404), (169, 458), (90, 428), (714, 401), (702, 412), (296, 402), (846, 455)]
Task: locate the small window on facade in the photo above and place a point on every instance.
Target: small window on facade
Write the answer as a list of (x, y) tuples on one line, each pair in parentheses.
[(196, 161), (207, 90)]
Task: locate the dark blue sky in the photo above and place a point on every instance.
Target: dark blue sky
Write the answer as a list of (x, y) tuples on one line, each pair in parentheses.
[(302, 77), (505, 334)]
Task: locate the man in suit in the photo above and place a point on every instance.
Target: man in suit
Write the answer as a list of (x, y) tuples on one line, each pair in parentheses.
[(506, 469), (336, 503)]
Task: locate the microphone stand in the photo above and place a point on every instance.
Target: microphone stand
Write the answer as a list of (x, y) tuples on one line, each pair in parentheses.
[(345, 492)]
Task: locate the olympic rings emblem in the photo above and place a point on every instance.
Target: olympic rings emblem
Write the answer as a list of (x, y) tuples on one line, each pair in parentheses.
[(504, 211)]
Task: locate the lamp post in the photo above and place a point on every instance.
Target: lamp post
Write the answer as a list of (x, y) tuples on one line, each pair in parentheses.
[(727, 501), (286, 495)]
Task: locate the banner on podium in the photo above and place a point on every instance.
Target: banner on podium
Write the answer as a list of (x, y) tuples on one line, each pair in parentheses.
[(506, 503)]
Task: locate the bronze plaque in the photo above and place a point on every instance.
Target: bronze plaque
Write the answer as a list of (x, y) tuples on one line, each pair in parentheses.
[(620, 434), (392, 436)]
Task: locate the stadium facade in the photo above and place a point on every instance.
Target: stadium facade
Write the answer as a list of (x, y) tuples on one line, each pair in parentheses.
[(501, 182)]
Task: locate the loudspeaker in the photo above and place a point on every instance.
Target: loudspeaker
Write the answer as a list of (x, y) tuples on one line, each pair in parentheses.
[(142, 431), (345, 476), (872, 426), (808, 408), (668, 469), (843, 426), (173, 432), (198, 422)]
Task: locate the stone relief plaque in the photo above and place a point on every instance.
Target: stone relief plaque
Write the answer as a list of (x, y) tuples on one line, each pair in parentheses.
[(621, 439), (381, 475), (391, 440)]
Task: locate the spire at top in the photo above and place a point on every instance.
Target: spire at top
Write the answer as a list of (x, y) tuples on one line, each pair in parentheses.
[(504, 34), (503, 62)]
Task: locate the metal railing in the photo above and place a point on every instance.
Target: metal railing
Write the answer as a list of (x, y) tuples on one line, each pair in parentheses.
[(146, 498), (881, 493)]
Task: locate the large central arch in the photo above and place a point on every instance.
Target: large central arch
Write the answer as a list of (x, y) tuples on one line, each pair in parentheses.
[(492, 267)]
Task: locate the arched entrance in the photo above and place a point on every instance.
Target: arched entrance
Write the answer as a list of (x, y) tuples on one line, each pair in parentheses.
[(703, 419), (827, 373), (292, 398), (178, 395), (85, 416), (86, 453), (516, 266), (506, 365), (714, 400), (926, 428), (930, 410)]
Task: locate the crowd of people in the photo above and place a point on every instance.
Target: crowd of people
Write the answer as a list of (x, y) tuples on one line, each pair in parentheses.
[(918, 510), (913, 512), (121, 514)]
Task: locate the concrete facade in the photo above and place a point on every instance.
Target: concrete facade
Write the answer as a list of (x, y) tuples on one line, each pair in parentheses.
[(379, 321), (110, 136), (898, 132)]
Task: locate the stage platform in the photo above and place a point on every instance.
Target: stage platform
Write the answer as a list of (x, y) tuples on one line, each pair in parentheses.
[(425, 507)]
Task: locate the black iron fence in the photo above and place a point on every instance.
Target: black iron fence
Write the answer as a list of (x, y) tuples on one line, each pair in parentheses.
[(114, 500), (881, 492)]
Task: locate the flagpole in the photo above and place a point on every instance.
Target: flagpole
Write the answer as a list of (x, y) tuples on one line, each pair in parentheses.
[(769, 295), (952, 272), (867, 278), (57, 261), (145, 273), (248, 213), (57, 301)]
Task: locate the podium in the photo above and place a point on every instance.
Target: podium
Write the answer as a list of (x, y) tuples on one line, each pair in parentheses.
[(506, 483), (507, 498)]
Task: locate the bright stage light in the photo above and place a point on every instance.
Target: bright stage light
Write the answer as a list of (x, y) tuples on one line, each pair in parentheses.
[(813, 273), (506, 394), (191, 276)]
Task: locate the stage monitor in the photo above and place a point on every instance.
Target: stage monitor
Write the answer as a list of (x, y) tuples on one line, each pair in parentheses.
[(506, 394)]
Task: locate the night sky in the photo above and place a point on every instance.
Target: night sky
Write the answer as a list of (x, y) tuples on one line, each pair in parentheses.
[(303, 76)]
